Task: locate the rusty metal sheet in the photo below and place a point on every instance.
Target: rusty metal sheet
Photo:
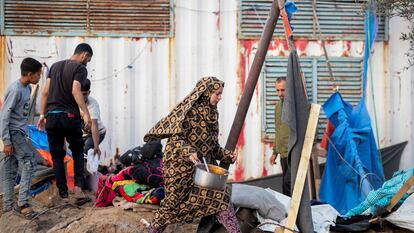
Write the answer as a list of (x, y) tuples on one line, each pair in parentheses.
[(126, 16), (339, 20), (119, 18)]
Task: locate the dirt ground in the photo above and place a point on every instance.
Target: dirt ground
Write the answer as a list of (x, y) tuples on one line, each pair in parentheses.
[(62, 218), (57, 217)]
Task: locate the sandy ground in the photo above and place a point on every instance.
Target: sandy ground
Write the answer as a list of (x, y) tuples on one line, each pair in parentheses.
[(62, 218)]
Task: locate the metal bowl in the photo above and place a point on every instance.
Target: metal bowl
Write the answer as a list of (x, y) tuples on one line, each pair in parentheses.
[(215, 179)]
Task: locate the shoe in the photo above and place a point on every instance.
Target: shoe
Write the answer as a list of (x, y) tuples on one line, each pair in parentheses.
[(7, 209), (64, 198), (25, 211), (80, 197)]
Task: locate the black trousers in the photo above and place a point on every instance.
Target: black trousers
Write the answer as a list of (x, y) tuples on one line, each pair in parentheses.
[(61, 126), (286, 176)]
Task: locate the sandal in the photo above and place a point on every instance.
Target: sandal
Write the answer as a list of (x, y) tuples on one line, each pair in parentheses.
[(25, 211), (82, 200)]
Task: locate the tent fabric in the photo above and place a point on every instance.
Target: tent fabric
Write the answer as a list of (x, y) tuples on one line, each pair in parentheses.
[(323, 216), (391, 156), (41, 144), (295, 114), (353, 167), (403, 216), (259, 199)]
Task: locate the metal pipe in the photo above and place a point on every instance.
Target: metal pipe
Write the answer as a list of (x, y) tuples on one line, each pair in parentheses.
[(251, 82)]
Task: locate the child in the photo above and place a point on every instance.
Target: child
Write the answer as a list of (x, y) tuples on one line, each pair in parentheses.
[(14, 116)]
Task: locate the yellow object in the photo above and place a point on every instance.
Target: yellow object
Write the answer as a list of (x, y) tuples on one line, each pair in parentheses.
[(122, 182), (217, 170)]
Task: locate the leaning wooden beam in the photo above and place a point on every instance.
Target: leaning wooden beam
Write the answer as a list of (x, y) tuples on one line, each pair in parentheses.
[(251, 82), (397, 197), (303, 167)]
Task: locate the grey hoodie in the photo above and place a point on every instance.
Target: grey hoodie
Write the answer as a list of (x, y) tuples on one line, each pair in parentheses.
[(15, 110)]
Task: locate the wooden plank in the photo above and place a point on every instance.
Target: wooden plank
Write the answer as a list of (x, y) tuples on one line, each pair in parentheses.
[(303, 167), (316, 174), (403, 190), (397, 197)]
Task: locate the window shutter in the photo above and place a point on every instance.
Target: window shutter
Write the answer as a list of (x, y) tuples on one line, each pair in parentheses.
[(339, 20), (347, 72), (116, 18)]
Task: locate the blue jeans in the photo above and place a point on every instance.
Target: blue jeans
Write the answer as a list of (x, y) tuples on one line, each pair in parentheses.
[(22, 156)]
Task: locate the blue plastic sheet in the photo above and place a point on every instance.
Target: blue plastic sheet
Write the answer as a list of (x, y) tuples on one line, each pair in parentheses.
[(38, 138), (290, 9), (353, 167), (371, 29)]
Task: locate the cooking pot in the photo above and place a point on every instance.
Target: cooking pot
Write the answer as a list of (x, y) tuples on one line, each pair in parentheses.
[(216, 178)]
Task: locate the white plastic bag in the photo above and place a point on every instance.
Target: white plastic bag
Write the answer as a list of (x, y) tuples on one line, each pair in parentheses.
[(92, 162)]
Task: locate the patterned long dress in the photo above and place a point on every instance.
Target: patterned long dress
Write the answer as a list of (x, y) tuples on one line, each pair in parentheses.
[(196, 131)]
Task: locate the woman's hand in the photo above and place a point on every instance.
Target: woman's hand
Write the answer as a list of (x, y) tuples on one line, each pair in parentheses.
[(193, 158), (233, 157)]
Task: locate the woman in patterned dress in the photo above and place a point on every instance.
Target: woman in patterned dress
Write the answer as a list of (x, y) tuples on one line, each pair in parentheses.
[(192, 132)]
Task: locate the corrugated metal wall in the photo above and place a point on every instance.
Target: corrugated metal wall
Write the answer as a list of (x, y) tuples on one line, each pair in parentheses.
[(137, 81), (349, 12), (144, 18)]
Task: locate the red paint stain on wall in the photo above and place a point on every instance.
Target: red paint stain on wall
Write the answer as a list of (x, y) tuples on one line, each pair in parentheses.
[(346, 48), (278, 45), (218, 17), (301, 45), (264, 172), (246, 49), (238, 171)]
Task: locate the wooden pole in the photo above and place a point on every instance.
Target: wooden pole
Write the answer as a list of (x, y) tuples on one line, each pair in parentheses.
[(252, 79), (303, 167)]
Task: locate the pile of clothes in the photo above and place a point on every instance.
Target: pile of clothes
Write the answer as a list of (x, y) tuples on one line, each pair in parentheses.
[(140, 182)]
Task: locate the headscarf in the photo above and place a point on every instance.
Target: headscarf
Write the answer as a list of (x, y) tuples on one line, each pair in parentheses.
[(173, 123)]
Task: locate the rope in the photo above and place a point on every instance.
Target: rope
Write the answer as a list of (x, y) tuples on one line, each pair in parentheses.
[(317, 26)]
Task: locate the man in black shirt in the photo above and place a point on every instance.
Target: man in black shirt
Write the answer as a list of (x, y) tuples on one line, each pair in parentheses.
[(60, 103)]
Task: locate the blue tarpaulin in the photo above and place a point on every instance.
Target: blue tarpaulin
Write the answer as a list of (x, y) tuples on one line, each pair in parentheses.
[(353, 166), (38, 138)]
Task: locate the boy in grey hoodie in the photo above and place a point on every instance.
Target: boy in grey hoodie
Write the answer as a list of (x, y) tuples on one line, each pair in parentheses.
[(13, 128)]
